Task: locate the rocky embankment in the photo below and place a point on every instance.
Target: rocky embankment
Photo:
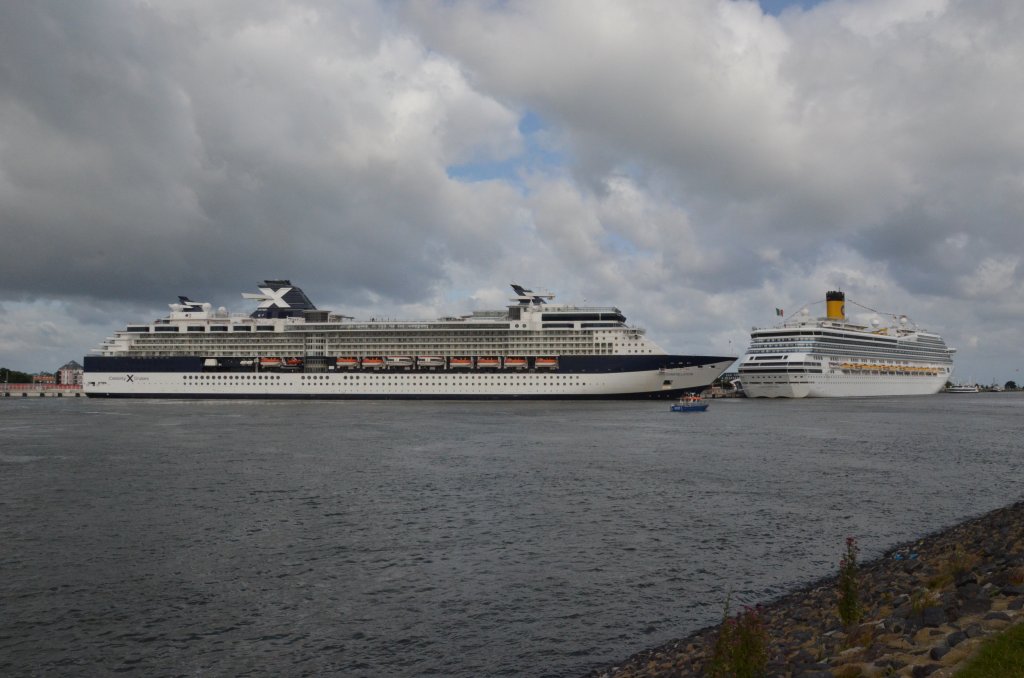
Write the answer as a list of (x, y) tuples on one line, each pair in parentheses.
[(927, 606)]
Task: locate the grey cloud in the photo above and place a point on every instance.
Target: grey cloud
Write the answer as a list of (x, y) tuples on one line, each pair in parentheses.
[(718, 161)]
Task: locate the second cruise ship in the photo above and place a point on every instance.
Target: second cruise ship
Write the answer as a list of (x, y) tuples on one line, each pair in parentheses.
[(288, 348), (835, 357)]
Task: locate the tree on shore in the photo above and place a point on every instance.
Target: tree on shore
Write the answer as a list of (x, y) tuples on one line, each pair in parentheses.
[(8, 376), (1010, 386)]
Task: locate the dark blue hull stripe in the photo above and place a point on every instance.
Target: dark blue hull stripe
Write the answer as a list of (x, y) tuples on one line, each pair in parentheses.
[(671, 394)]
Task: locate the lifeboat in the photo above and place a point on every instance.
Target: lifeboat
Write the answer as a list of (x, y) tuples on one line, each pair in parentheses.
[(488, 362), (293, 362), (460, 362), (398, 361), (515, 363), (347, 363), (430, 361), (373, 363), (546, 363)]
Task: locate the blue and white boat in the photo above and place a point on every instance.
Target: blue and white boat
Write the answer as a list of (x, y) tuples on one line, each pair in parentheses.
[(690, 403)]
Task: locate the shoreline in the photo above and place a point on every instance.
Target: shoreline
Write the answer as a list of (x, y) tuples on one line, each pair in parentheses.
[(927, 606)]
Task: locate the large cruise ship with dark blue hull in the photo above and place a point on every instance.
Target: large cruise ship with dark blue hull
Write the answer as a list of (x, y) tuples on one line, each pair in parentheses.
[(287, 348)]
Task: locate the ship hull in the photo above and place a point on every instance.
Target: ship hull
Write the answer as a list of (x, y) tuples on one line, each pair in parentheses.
[(840, 386), (576, 377)]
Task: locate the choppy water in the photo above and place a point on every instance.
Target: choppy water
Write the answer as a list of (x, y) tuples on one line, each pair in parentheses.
[(453, 539)]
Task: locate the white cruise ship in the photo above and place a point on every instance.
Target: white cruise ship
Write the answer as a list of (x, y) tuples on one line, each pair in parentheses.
[(287, 348), (832, 357)]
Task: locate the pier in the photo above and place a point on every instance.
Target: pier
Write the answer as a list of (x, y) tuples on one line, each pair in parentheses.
[(41, 391)]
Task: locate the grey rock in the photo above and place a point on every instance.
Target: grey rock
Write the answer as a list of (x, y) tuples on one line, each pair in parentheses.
[(975, 605), (955, 638), (1002, 616), (933, 616)]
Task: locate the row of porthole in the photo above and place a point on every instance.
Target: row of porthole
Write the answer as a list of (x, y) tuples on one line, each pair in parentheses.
[(230, 376), (475, 377), (434, 377)]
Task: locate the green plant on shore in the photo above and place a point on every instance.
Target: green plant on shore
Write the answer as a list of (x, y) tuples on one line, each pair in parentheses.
[(1000, 655), (741, 647), (850, 610), (958, 562), (922, 598)]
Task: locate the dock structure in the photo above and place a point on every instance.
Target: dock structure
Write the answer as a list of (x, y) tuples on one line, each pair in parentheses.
[(41, 391)]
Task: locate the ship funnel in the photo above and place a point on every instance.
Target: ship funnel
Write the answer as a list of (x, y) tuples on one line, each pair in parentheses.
[(835, 305)]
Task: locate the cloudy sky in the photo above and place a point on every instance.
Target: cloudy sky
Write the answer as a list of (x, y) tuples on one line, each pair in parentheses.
[(697, 163)]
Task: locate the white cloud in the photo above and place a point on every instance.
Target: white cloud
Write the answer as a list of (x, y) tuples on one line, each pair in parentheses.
[(993, 277)]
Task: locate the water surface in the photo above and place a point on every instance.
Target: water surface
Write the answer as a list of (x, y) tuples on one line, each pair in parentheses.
[(455, 539)]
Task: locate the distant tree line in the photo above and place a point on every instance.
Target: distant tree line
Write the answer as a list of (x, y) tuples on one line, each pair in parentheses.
[(14, 377)]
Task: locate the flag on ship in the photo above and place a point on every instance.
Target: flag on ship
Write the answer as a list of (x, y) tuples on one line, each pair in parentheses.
[(778, 311)]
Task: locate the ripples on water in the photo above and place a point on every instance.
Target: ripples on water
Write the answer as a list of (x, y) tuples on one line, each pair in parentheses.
[(453, 539)]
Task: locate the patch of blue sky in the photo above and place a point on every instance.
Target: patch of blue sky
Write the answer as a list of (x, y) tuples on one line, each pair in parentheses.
[(538, 156), (777, 7), (619, 244)]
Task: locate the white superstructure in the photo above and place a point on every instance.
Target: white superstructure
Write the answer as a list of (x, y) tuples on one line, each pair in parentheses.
[(834, 357)]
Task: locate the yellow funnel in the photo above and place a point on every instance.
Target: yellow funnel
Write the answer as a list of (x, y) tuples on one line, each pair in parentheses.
[(835, 305)]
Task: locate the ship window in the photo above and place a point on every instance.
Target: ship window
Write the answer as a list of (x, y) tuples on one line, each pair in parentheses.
[(264, 328), (196, 328), (218, 328), (243, 328)]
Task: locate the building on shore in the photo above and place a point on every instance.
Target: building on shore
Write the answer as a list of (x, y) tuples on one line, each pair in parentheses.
[(71, 373)]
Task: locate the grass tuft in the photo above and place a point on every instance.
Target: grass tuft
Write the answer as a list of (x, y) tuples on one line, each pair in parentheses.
[(1001, 655)]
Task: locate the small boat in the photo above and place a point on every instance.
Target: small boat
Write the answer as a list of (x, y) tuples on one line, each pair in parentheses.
[(460, 363), (373, 363), (963, 388), (546, 363), (690, 403), (347, 363), (429, 361), (515, 363), (398, 361), (293, 362), (270, 362), (488, 362)]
